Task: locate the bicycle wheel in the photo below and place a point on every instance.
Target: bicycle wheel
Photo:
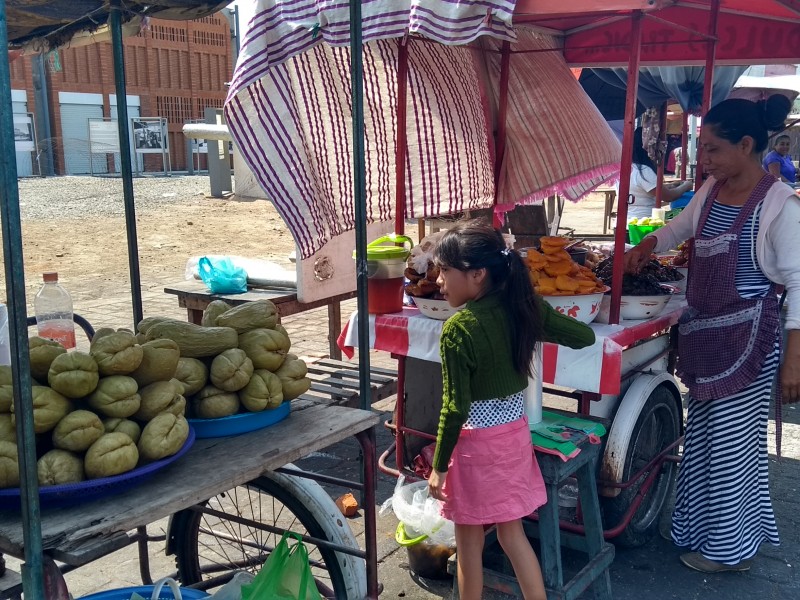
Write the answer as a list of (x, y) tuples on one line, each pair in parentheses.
[(658, 425), (208, 547)]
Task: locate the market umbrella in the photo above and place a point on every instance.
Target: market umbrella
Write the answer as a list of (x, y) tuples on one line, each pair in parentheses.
[(289, 98)]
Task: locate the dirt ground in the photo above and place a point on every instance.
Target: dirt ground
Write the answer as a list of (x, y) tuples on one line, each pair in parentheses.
[(90, 254)]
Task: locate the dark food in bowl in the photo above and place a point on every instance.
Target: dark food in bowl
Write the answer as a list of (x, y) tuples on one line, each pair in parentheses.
[(643, 284)]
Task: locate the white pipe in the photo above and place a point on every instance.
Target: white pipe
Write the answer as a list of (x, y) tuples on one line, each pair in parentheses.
[(207, 131)]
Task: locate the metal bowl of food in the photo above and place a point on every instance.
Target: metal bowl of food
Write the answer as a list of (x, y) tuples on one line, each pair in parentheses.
[(635, 308), (436, 309), (583, 307)]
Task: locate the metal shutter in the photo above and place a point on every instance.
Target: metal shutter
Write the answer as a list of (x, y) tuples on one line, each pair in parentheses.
[(75, 138)]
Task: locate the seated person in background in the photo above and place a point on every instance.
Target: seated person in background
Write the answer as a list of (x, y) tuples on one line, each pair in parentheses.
[(644, 181), (779, 163)]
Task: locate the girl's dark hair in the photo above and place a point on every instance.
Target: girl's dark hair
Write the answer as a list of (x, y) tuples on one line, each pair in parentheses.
[(476, 245), (640, 157), (735, 118)]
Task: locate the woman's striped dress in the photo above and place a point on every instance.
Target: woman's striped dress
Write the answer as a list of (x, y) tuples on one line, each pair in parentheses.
[(723, 508)]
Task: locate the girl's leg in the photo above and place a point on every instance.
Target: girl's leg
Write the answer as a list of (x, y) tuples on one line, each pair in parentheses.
[(515, 544), (469, 541)]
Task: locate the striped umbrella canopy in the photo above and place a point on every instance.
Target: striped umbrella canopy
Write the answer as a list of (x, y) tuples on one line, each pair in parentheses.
[(289, 105)]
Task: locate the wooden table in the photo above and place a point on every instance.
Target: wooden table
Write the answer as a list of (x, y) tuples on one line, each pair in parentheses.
[(77, 535), (194, 297)]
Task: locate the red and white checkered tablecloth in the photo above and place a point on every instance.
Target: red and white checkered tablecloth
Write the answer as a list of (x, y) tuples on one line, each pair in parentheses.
[(597, 368)]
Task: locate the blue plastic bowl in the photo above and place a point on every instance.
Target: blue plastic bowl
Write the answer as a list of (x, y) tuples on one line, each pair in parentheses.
[(682, 201), (145, 591), (239, 423)]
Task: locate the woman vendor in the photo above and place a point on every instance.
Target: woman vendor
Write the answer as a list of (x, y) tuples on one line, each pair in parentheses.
[(744, 223)]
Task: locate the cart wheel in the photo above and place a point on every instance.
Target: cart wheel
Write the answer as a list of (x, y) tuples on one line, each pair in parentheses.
[(208, 547), (658, 426)]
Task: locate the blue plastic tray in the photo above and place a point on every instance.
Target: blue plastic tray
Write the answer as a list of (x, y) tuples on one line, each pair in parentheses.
[(93, 489), (240, 422), (145, 591)]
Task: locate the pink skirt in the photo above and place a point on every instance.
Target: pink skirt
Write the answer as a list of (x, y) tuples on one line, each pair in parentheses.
[(493, 476)]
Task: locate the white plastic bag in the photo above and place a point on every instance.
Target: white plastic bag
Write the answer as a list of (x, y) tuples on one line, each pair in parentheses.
[(233, 589), (419, 512)]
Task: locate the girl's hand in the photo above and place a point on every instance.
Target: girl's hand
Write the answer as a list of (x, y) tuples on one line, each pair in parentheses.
[(639, 255), (436, 484)]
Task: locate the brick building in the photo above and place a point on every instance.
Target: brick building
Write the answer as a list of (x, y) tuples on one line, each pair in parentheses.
[(174, 70)]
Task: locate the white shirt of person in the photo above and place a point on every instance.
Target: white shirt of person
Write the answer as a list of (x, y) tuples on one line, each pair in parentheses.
[(643, 187)]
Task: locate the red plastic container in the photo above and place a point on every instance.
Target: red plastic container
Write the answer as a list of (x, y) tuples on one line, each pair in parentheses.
[(386, 263)]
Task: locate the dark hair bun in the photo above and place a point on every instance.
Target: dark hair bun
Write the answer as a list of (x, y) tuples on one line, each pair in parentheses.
[(775, 110)]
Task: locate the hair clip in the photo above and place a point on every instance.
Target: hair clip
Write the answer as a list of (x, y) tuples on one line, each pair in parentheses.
[(505, 251)]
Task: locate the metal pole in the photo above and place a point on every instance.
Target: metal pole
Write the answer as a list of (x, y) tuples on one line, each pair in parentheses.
[(626, 165), (42, 115), (401, 151), (662, 135), (32, 570), (502, 111), (360, 199), (115, 18), (708, 82), (684, 144)]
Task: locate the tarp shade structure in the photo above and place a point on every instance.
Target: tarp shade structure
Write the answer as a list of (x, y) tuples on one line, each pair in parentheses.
[(760, 88), (54, 23), (681, 84), (597, 32), (609, 98), (288, 107)]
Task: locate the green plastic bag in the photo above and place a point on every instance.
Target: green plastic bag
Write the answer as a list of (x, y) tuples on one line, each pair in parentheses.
[(285, 576)]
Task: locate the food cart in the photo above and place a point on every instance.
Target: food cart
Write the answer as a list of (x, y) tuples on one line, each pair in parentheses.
[(626, 377)]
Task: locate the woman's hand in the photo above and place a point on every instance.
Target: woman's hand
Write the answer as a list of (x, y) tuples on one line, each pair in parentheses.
[(638, 256), (436, 485), (790, 370)]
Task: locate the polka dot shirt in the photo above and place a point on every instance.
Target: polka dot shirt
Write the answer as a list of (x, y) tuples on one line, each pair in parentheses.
[(498, 411)]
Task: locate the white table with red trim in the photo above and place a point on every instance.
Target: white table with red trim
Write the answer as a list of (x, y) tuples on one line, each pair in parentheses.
[(597, 368)]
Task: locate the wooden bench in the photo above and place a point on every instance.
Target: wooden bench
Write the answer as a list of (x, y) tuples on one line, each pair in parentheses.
[(337, 382), (194, 296)]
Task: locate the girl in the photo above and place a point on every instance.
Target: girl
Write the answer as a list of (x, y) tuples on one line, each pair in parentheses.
[(484, 469)]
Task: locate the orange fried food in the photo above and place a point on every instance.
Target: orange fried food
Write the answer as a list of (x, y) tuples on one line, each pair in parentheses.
[(536, 260), (566, 284), (553, 241), (586, 287), (554, 269)]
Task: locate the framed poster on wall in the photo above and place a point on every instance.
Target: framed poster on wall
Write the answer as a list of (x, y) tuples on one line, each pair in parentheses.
[(24, 133), (150, 135)]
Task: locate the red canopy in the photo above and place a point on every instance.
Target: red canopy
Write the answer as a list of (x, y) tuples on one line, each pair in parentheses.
[(597, 32)]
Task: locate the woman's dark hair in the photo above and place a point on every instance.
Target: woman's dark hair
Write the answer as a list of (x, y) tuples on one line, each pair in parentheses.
[(476, 245), (640, 157), (735, 118), (780, 137)]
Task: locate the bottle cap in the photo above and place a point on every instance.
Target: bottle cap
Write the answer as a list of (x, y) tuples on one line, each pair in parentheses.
[(50, 277)]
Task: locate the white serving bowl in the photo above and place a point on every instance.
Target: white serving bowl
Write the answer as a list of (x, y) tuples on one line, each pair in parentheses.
[(681, 285), (436, 309), (583, 307), (642, 307)]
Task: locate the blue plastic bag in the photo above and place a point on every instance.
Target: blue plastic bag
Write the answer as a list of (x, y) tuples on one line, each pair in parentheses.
[(222, 276)]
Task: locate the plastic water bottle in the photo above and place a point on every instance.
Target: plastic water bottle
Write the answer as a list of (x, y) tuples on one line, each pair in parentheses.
[(53, 308)]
